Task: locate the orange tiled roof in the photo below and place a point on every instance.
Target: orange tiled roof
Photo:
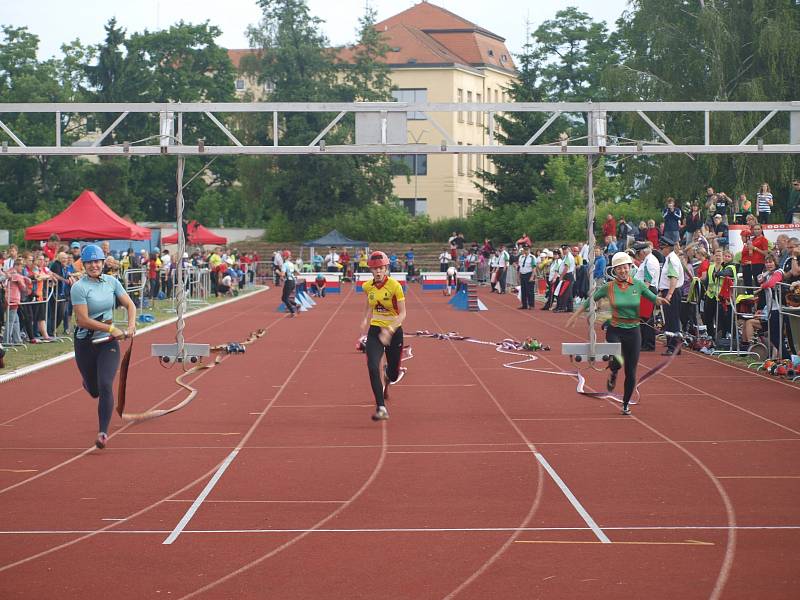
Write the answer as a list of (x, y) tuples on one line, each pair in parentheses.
[(425, 15), (237, 55), (460, 40), (426, 34)]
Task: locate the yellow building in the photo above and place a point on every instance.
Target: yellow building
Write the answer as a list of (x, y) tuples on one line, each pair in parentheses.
[(437, 56)]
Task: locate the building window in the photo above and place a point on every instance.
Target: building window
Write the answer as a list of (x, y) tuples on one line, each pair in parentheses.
[(239, 85), (470, 156), (460, 100), (460, 159), (417, 164), (415, 206), (469, 207), (469, 112), (269, 86), (412, 96), (479, 114), (460, 208)]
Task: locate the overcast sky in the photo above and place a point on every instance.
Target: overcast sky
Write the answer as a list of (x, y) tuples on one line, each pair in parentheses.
[(60, 21)]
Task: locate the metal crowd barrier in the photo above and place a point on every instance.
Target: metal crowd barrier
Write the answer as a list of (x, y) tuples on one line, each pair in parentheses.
[(736, 290), (198, 284), (263, 271), (791, 316)]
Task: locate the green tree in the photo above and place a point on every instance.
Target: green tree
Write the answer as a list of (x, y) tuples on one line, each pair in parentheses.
[(711, 50), (296, 58), (39, 183), (562, 61), (181, 64), (517, 179), (367, 77), (572, 52)]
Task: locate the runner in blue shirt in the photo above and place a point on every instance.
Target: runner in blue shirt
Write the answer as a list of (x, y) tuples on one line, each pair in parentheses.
[(96, 339)]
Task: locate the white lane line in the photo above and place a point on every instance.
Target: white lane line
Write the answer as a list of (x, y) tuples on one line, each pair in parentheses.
[(196, 504), (572, 499), (410, 530)]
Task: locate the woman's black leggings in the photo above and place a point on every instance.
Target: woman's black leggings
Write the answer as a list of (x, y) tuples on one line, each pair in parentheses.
[(631, 342), (375, 351), (98, 364)]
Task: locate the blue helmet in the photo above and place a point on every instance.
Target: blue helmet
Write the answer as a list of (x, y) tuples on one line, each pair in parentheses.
[(92, 252)]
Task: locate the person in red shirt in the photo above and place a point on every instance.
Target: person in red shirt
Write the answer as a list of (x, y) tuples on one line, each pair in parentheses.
[(344, 260), (759, 248), (702, 268), (51, 247), (746, 259), (610, 227), (652, 233)]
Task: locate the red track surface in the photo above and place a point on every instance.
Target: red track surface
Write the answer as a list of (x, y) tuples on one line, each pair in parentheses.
[(697, 492)]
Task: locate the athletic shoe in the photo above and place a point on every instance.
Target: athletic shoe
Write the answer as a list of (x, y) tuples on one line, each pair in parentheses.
[(102, 439), (612, 381), (381, 414), (625, 410)]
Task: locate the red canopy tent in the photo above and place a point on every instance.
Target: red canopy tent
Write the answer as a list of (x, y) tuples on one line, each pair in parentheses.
[(197, 235), (88, 218)]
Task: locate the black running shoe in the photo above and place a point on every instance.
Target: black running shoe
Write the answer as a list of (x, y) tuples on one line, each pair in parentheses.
[(625, 410), (102, 440), (612, 381)]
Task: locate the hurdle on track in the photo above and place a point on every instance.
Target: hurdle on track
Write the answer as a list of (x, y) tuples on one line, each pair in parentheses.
[(400, 277), (437, 280)]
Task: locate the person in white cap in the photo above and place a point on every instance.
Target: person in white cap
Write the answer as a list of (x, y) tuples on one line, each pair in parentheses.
[(624, 295)]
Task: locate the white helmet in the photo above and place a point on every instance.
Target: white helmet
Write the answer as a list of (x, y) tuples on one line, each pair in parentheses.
[(621, 258)]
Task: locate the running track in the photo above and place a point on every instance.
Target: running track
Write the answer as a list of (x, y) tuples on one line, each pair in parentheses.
[(274, 483)]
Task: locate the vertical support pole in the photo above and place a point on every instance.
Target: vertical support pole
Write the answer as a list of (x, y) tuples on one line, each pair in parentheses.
[(590, 210), (180, 273), (58, 128), (275, 128), (707, 128)]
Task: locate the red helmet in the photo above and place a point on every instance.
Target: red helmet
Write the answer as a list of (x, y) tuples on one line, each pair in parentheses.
[(377, 259)]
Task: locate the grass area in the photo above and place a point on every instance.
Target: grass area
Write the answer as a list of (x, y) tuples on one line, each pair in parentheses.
[(35, 353)]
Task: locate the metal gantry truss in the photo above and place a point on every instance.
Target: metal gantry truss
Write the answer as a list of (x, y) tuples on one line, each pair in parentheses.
[(384, 126)]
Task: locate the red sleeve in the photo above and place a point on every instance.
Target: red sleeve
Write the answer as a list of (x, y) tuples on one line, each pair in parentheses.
[(775, 278)]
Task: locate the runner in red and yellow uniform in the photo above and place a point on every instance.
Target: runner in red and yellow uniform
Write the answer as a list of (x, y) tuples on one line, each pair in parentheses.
[(624, 295), (385, 313)]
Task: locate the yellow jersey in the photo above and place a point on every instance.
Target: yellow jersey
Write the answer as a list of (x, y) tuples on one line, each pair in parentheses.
[(384, 299)]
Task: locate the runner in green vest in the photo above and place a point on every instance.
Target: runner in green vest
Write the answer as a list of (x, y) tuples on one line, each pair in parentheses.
[(623, 294)]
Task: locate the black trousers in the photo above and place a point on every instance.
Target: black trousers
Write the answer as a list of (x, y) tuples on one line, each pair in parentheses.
[(647, 329), (98, 364), (672, 318), (287, 297), (375, 351), (565, 297), (526, 289), (630, 341)]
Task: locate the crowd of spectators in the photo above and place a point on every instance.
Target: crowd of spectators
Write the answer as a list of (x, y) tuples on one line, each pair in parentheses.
[(35, 283), (732, 299)]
